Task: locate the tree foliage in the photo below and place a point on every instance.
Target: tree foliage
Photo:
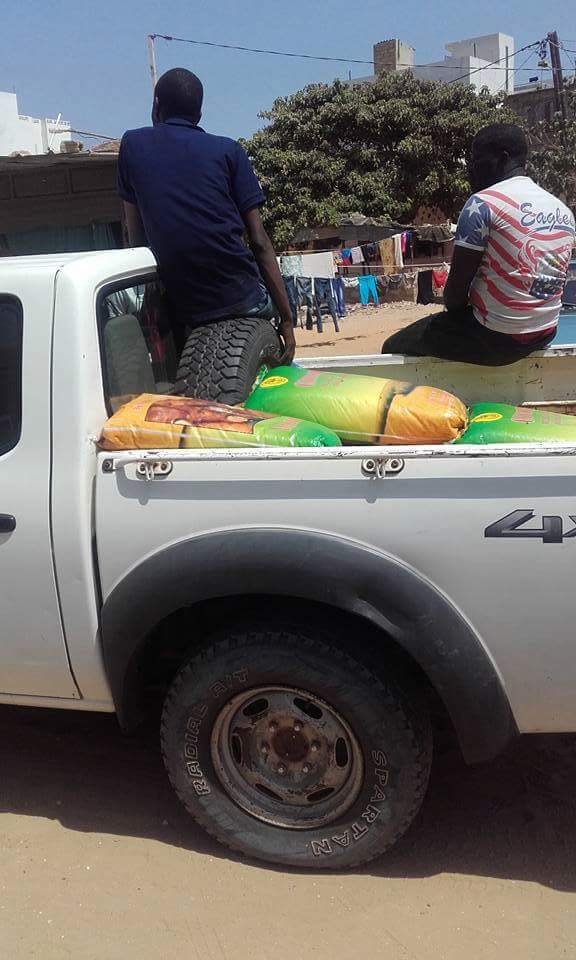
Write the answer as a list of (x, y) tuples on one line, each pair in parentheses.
[(382, 149), (553, 159)]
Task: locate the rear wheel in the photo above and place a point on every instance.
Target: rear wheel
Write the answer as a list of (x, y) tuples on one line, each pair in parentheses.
[(221, 361), (286, 749)]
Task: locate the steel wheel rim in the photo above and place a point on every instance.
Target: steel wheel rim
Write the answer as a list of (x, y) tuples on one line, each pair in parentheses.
[(287, 757)]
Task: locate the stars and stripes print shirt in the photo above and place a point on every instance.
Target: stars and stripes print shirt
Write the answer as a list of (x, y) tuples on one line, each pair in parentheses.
[(526, 236)]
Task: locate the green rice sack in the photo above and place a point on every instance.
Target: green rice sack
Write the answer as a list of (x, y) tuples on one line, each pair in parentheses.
[(361, 409), (502, 423)]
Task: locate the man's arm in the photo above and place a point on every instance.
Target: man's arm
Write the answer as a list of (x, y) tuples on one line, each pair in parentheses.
[(465, 266), (266, 259), (470, 242), (134, 226)]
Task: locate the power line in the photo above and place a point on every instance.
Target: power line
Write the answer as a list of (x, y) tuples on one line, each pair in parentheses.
[(272, 53), (309, 56), (571, 58), (526, 59)]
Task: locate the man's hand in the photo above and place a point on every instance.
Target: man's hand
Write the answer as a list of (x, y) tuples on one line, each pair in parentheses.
[(288, 341), (266, 260)]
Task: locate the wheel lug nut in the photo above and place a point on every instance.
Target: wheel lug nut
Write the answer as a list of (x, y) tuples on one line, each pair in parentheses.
[(315, 746), (272, 726), (281, 769), (306, 768), (297, 726)]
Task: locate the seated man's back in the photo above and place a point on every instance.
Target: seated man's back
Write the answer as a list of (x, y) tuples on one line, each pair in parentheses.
[(526, 236), (511, 254)]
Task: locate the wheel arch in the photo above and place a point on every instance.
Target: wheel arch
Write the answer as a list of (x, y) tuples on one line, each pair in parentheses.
[(372, 586)]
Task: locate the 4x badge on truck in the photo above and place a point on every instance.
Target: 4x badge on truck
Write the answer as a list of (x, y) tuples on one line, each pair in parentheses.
[(513, 526)]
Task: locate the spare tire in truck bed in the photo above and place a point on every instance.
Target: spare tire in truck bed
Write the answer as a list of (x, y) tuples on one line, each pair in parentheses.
[(221, 360)]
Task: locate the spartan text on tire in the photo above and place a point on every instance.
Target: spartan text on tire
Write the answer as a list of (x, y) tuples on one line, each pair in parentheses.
[(191, 750), (358, 830)]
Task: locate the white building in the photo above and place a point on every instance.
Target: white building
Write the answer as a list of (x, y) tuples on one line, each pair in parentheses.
[(468, 61), (28, 134)]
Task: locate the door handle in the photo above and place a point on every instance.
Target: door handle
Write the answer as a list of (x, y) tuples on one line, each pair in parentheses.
[(7, 523)]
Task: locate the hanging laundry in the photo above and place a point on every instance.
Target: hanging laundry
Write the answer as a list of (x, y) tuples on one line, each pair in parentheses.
[(386, 248), (383, 284), (291, 265), (356, 255), (318, 265), (439, 278), (323, 294), (338, 291), (368, 289), (409, 252), (350, 281), (425, 292), (370, 252), (403, 242), (395, 281), (338, 260), (299, 290), (398, 257), (346, 256)]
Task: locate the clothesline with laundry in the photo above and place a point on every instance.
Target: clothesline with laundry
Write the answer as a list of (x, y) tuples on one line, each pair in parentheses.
[(313, 286), (388, 256)]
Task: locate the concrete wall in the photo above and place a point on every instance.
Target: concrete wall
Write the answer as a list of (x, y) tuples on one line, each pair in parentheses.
[(468, 68), (493, 46), (22, 133), (533, 103), (472, 69), (392, 56)]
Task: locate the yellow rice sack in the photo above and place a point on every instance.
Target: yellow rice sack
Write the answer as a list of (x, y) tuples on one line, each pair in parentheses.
[(153, 422), (360, 409)]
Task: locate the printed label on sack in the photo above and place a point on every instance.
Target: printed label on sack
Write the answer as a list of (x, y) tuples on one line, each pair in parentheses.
[(274, 382), (486, 418)]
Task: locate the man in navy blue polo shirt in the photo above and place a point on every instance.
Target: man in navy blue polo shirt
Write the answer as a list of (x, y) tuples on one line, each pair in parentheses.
[(192, 197)]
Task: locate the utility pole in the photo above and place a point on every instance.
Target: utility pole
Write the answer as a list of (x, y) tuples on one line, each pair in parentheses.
[(559, 89), (152, 59)]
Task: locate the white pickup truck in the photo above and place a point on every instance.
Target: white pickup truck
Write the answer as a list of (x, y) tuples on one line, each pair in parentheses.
[(305, 616)]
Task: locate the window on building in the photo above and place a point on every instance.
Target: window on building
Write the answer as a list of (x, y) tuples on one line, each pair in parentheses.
[(10, 372)]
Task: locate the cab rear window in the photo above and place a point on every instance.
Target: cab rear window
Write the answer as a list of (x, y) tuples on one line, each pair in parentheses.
[(10, 372)]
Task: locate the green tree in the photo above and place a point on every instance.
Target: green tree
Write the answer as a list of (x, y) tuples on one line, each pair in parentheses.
[(382, 149), (553, 159)]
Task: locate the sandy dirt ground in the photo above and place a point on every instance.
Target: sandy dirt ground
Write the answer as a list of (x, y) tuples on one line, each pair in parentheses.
[(362, 331), (99, 862)]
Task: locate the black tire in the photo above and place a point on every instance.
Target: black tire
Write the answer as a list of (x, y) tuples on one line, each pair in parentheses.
[(392, 732), (221, 361)]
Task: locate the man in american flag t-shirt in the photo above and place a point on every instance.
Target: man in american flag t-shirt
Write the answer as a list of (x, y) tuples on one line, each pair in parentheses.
[(512, 249)]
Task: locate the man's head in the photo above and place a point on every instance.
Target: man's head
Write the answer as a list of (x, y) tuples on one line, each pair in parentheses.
[(178, 93), (499, 151)]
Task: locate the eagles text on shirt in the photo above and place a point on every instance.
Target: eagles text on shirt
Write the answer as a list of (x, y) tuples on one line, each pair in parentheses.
[(526, 236)]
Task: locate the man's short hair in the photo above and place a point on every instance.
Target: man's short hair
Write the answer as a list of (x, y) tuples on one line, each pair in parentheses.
[(498, 138), (180, 93)]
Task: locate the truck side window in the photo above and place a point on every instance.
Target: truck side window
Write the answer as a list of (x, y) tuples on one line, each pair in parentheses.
[(10, 372), (137, 345)]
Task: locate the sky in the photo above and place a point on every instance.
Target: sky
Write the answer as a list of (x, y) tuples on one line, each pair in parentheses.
[(88, 60)]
